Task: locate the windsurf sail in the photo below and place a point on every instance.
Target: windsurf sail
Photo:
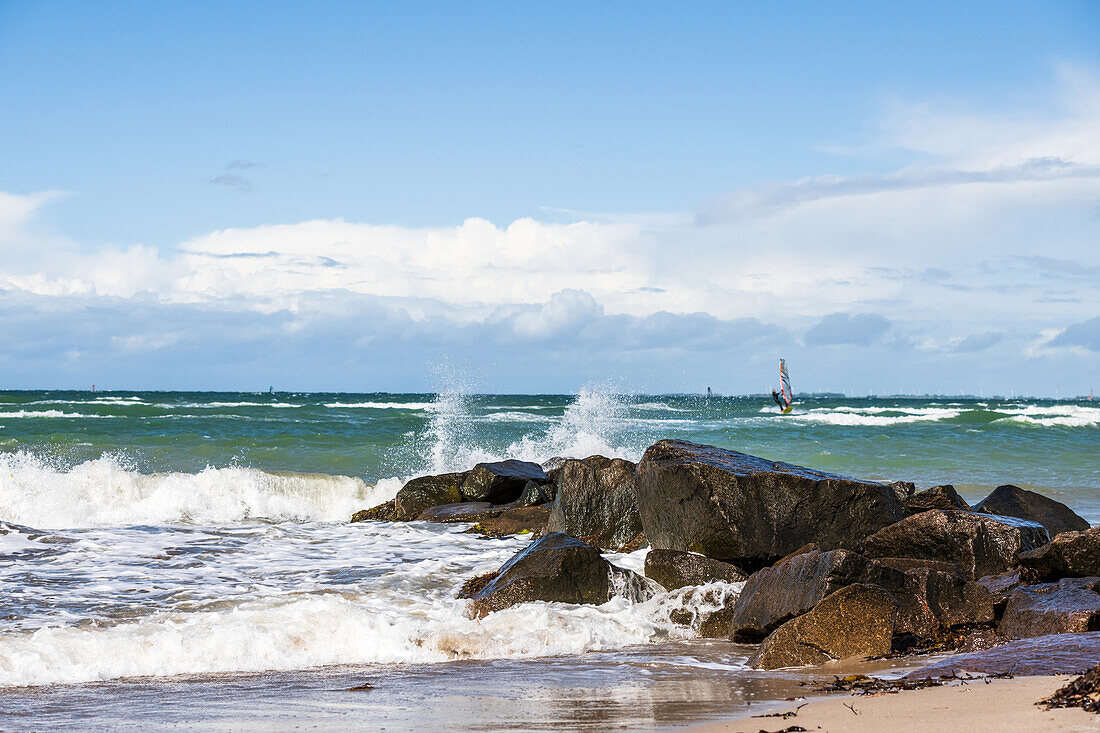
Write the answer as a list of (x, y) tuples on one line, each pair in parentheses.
[(784, 397)]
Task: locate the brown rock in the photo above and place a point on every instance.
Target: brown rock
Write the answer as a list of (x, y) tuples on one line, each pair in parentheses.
[(856, 621), (466, 511), (501, 482), (1069, 555), (905, 564), (597, 502), (1072, 605), (934, 602), (751, 511), (522, 520), (427, 491), (1044, 655), (1012, 501), (937, 497), (980, 544), (673, 569), (903, 489)]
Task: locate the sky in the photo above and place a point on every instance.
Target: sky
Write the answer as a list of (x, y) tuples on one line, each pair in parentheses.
[(521, 197)]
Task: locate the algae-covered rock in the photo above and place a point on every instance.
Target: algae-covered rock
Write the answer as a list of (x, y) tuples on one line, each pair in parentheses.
[(384, 512)]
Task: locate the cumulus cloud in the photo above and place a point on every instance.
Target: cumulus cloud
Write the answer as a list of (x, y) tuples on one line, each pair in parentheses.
[(1085, 334)]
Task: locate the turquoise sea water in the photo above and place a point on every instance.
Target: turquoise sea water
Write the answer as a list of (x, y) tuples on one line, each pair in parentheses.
[(198, 544)]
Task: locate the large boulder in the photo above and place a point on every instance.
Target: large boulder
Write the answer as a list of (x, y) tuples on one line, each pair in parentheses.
[(597, 502), (673, 569), (535, 494), (556, 567), (751, 511), (1069, 555), (937, 497), (501, 482), (1072, 605), (935, 601), (981, 544), (774, 595), (1012, 501), (855, 621), (428, 491)]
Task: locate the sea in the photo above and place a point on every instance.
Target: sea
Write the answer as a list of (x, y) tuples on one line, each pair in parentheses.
[(185, 560)]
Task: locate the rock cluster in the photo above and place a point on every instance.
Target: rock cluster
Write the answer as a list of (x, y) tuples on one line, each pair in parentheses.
[(811, 566)]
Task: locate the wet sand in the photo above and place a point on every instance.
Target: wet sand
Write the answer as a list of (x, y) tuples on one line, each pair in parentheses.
[(996, 706)]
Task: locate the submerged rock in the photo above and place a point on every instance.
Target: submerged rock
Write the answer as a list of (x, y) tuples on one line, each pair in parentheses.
[(384, 512), (1070, 605), (1012, 501), (428, 491), (937, 497), (772, 596), (501, 482), (751, 511), (1043, 655), (598, 503), (673, 569), (980, 544), (1069, 555), (556, 567), (855, 621)]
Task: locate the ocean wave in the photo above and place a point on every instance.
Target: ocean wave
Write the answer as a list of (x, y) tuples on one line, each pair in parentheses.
[(103, 492), (1070, 416), (514, 416), (50, 413), (382, 405), (849, 416)]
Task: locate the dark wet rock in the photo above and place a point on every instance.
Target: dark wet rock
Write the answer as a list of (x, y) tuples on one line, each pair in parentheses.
[(937, 497), (556, 567), (903, 489), (501, 482), (855, 621), (554, 465), (1012, 501), (1000, 586), (476, 583), (808, 547), (751, 511), (1072, 605), (597, 502), (905, 564), (774, 595), (466, 511), (1083, 692), (981, 544), (535, 494), (521, 520), (1043, 655), (384, 512), (428, 491), (1069, 555), (673, 569), (934, 602)]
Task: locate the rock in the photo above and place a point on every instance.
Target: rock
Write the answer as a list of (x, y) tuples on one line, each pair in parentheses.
[(772, 596), (556, 567), (384, 512), (428, 491), (808, 547), (1044, 655), (751, 511), (673, 569), (466, 511), (521, 520), (1000, 586), (937, 497), (981, 544), (501, 482), (1012, 501), (934, 602), (981, 639), (535, 494), (1069, 555), (1072, 605), (855, 621), (903, 489), (905, 564), (597, 502)]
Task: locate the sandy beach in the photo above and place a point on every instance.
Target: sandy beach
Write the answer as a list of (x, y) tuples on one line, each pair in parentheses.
[(997, 706)]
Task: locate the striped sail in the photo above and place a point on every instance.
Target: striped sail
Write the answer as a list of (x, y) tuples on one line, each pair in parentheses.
[(785, 382)]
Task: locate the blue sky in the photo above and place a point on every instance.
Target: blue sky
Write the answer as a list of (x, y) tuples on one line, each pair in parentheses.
[(896, 197)]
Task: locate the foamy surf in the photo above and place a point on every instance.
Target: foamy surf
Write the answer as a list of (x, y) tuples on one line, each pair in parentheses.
[(104, 492)]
